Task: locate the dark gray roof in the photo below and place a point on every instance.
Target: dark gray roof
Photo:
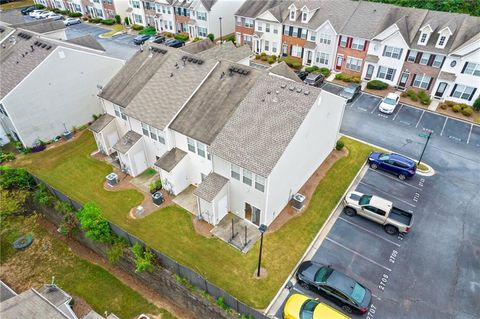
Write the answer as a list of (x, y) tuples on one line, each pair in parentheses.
[(17, 66), (208, 4), (101, 122), (447, 76), (211, 106), (227, 51), (5, 32), (168, 89), (170, 159), (210, 187), (182, 3), (6, 292), (123, 87), (282, 69), (263, 125), (42, 26), (54, 294), (196, 47), (29, 304), (253, 8), (127, 141), (366, 20), (87, 41)]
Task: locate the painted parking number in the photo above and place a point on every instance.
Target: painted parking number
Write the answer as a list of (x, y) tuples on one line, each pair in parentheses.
[(371, 312)]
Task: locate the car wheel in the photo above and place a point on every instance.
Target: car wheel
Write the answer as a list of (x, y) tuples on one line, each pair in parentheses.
[(373, 165), (347, 308), (391, 230), (402, 177), (304, 284), (349, 211)]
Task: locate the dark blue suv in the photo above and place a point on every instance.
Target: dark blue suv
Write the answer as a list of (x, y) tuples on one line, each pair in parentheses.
[(396, 164)]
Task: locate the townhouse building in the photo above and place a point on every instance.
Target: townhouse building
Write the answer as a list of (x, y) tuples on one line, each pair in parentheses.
[(223, 146), (104, 9), (404, 47)]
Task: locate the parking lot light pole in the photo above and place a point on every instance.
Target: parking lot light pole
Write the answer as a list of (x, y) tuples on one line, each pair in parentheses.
[(220, 19), (262, 229), (424, 148)]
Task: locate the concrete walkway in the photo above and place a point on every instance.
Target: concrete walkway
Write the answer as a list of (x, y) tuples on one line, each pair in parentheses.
[(244, 233), (187, 200)]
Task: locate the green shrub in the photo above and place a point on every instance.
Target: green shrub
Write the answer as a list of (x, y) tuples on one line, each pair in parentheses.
[(325, 72), (339, 146), (291, 62), (258, 56), (137, 27), (412, 95), (74, 14), (450, 103), (118, 19), (263, 54), (155, 186), (197, 39), (6, 157), (143, 258), (476, 104), (69, 225), (168, 34), (271, 59), (311, 69), (15, 178), (116, 250), (95, 20), (230, 38), (39, 6), (181, 36), (468, 111), (457, 108), (95, 226), (376, 85), (43, 196), (127, 21), (443, 106), (221, 303), (63, 207), (148, 31), (424, 97), (264, 57), (356, 79), (211, 36), (108, 22)]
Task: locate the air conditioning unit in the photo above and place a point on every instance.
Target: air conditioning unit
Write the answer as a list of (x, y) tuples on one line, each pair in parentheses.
[(298, 201), (112, 179), (157, 198)]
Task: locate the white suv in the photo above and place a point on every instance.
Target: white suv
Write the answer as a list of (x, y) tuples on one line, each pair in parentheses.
[(389, 103)]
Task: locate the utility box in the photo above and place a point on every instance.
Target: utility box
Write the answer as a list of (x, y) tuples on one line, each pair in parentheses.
[(112, 179), (157, 198), (298, 201)]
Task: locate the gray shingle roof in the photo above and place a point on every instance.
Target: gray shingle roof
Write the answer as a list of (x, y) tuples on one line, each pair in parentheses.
[(5, 32), (208, 4), (42, 26), (6, 292), (253, 8), (282, 69), (101, 122), (227, 51), (211, 106), (126, 142), (54, 294), (29, 304), (170, 159), (196, 47), (210, 187), (168, 89), (87, 41), (17, 59), (263, 125)]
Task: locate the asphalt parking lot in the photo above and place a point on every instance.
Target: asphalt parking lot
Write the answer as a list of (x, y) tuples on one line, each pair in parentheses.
[(423, 120)]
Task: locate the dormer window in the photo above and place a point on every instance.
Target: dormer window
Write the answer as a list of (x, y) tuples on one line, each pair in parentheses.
[(304, 17), (292, 15), (423, 38)]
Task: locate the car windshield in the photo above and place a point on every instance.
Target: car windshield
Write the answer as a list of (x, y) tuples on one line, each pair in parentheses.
[(323, 274), (365, 199), (384, 157), (350, 89), (308, 308), (358, 293), (389, 101)]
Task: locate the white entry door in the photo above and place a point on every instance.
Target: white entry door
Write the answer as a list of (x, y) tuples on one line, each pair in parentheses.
[(140, 163), (222, 208)]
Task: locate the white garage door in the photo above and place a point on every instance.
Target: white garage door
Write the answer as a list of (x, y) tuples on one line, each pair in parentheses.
[(140, 163), (222, 208)]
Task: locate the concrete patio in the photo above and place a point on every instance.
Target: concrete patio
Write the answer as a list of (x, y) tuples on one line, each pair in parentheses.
[(187, 200), (241, 241)]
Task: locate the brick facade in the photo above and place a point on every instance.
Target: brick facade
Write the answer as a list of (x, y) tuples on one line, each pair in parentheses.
[(348, 51), (291, 41), (415, 68), (243, 30)]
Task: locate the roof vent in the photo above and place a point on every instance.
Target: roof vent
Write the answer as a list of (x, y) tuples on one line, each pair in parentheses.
[(49, 47), (171, 74), (283, 86), (269, 92), (306, 92), (275, 99), (190, 59), (44, 45), (291, 88), (299, 90), (200, 62), (277, 91)]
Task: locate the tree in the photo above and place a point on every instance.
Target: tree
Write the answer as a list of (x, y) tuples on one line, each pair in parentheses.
[(476, 104), (127, 21), (118, 19), (95, 226), (211, 36)]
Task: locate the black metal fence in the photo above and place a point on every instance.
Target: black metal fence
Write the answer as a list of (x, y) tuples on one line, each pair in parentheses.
[(193, 277)]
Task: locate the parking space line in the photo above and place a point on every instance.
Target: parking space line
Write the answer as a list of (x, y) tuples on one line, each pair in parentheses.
[(421, 116), (368, 231), (382, 191), (470, 133), (401, 106), (444, 124), (357, 254), (395, 179), (358, 98), (376, 106)]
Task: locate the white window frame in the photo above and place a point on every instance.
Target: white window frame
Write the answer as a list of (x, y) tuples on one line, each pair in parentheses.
[(325, 38), (437, 62), (423, 39), (191, 144), (267, 27), (201, 149), (266, 45), (343, 43), (260, 183), (259, 27), (297, 51), (357, 66), (386, 73), (472, 69), (275, 29), (322, 58), (358, 44), (392, 52), (274, 47), (421, 81), (249, 23), (235, 171), (304, 16), (412, 54), (119, 113), (442, 41), (247, 177), (202, 16), (428, 55), (461, 90), (292, 15)]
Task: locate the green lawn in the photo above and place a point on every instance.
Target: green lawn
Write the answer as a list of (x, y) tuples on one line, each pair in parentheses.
[(70, 169), (49, 256)]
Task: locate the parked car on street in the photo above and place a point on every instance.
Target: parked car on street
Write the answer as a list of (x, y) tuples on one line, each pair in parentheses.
[(36, 13), (314, 79), (176, 43), (334, 285), (379, 210), (140, 39), (389, 103), (157, 39), (302, 75), (71, 21), (27, 10), (350, 92), (54, 16), (393, 163), (45, 15), (301, 307)]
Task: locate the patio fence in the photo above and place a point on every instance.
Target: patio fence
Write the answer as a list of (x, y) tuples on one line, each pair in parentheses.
[(168, 263)]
